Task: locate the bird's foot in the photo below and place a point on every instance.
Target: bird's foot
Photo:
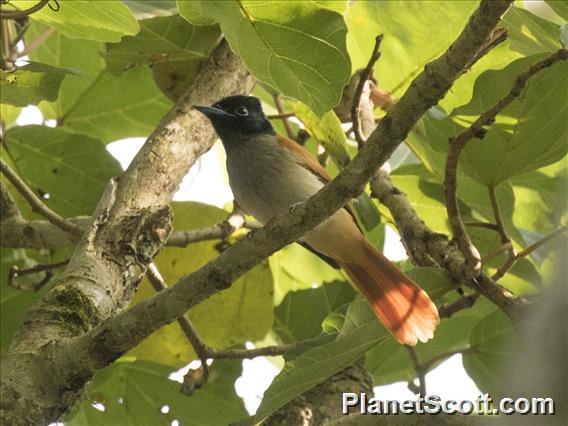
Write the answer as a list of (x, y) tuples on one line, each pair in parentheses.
[(294, 206)]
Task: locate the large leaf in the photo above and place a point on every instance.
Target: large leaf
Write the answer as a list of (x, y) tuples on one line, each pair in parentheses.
[(315, 365), (69, 169), (560, 7), (138, 393), (95, 101), (489, 352), (530, 34), (243, 312), (90, 20), (8, 114), (31, 84), (528, 134), (412, 35), (162, 39), (427, 198), (144, 9), (301, 313), (327, 132), (296, 47)]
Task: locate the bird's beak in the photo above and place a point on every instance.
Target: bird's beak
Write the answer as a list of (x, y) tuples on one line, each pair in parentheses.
[(211, 111)]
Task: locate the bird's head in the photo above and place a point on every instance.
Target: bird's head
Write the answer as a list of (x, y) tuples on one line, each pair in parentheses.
[(237, 117)]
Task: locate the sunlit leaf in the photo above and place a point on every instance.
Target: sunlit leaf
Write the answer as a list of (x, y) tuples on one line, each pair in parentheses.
[(162, 39), (89, 20), (45, 157), (30, 84), (301, 313), (296, 47)]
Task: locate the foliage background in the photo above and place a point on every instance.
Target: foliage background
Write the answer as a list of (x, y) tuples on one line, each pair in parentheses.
[(109, 70)]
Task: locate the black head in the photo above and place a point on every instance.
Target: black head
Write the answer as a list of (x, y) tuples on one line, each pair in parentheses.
[(237, 116)]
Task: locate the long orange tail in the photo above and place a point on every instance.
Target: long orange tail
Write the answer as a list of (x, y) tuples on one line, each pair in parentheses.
[(403, 307)]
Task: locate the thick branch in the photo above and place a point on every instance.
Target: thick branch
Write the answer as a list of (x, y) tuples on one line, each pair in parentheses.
[(130, 226)]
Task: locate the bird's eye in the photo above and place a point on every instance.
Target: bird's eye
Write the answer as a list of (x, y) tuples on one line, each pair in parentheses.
[(241, 110)]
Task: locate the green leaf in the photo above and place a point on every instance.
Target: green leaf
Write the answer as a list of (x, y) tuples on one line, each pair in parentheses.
[(490, 340), (541, 200), (135, 392), (242, 313), (296, 47), (427, 198), (30, 84), (527, 135), (560, 7), (317, 364), (162, 40), (95, 101), (89, 20), (145, 9), (9, 114), (13, 303), (301, 313), (530, 34), (305, 267), (413, 35), (326, 131), (45, 157)]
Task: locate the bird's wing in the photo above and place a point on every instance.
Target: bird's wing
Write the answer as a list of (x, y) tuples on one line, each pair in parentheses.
[(312, 165)]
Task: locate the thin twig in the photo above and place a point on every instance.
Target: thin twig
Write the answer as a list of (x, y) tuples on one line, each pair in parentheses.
[(359, 137), (280, 108), (491, 226), (222, 230), (191, 380), (477, 130), (37, 204), (512, 259), (16, 272), (194, 380), (503, 247), (428, 365), (15, 14), (464, 302), (281, 116), (499, 36), (420, 372), (38, 41), (542, 241)]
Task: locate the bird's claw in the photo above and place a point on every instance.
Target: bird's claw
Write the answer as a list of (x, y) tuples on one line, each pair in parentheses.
[(294, 206)]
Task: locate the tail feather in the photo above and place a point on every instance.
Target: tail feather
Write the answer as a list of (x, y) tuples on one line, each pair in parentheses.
[(403, 307)]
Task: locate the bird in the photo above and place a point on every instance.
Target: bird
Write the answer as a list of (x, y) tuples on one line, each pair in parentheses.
[(269, 174)]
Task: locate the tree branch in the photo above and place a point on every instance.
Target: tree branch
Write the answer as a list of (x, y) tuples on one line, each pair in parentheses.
[(477, 130), (363, 77)]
